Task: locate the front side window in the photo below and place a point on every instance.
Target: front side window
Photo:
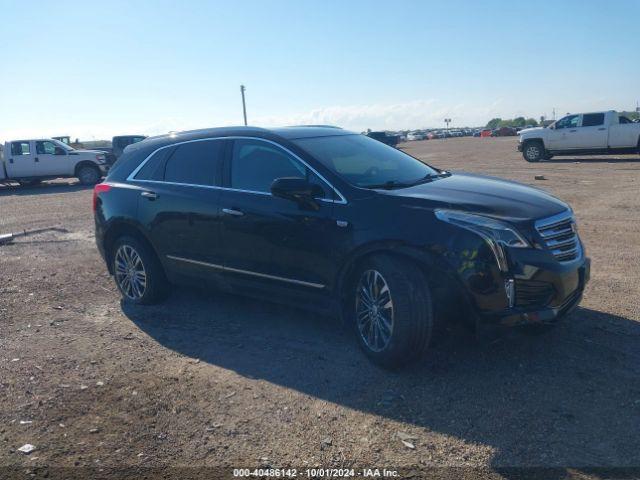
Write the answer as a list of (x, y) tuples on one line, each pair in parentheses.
[(624, 120), (570, 121), (20, 148), (365, 162), (592, 119), (256, 164), (45, 148), (194, 163)]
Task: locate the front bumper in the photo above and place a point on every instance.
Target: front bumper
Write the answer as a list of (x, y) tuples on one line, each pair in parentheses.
[(564, 288), (519, 147)]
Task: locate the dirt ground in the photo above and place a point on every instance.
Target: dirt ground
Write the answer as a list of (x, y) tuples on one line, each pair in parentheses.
[(211, 380)]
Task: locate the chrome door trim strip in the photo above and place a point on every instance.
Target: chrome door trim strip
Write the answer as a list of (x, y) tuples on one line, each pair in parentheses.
[(246, 272), (131, 177)]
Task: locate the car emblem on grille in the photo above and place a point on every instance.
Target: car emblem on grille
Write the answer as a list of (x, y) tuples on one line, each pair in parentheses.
[(574, 227)]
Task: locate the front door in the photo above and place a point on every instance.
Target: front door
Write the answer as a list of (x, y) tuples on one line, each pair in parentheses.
[(20, 163), (51, 161), (270, 241), (563, 135)]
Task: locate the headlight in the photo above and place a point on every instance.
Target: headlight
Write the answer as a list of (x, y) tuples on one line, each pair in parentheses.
[(497, 234)]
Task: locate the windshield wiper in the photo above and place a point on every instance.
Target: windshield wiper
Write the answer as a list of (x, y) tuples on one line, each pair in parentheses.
[(389, 185)]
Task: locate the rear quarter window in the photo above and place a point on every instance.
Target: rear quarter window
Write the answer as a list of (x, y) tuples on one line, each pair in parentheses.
[(153, 169)]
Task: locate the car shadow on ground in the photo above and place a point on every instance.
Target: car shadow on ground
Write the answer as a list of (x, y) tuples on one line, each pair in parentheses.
[(567, 398), (44, 188)]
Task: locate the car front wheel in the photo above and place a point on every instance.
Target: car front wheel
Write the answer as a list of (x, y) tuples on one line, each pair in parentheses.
[(533, 151), (393, 311), (89, 175)]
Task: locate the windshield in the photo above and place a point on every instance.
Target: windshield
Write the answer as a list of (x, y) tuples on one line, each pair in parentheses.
[(63, 145), (365, 162)]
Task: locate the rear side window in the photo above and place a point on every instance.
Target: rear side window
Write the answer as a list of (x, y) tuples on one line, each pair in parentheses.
[(195, 163), (593, 119), (153, 169), (20, 148), (624, 120)]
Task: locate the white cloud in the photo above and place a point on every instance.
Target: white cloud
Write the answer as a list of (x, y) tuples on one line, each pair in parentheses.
[(395, 116)]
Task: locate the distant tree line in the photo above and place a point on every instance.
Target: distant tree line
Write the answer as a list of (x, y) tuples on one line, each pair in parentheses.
[(515, 122)]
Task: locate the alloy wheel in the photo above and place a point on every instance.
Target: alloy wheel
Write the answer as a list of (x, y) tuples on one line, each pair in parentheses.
[(130, 273), (533, 152), (374, 310)]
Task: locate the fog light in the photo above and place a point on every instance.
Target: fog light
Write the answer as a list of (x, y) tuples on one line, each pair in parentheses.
[(510, 291)]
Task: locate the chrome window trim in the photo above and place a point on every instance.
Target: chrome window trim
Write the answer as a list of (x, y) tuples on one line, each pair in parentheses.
[(131, 177), (245, 272)]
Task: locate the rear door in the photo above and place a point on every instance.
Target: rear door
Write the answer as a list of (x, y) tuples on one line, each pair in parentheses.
[(592, 132), (179, 204), (270, 242), (20, 163)]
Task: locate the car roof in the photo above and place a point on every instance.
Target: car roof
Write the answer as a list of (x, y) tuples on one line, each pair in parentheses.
[(289, 133)]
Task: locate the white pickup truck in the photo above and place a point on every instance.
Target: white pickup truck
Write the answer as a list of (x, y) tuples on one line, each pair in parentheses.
[(599, 133), (30, 161)]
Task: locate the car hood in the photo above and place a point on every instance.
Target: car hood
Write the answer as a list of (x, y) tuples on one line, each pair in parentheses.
[(87, 152), (483, 195), (530, 130)]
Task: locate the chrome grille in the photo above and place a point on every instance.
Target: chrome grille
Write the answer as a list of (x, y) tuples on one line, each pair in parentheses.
[(559, 235)]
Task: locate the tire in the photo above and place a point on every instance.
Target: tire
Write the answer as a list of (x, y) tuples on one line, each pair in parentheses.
[(408, 328), (89, 175), (533, 151), (130, 252)]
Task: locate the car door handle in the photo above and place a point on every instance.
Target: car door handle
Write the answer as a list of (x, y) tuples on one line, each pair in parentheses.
[(573, 131), (36, 159), (149, 195), (602, 129), (230, 211)]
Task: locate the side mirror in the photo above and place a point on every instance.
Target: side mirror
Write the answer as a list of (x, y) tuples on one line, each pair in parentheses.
[(298, 190), (60, 151)]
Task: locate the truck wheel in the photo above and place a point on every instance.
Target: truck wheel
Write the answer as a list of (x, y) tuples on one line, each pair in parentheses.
[(533, 151), (88, 175), (392, 310), (137, 272)]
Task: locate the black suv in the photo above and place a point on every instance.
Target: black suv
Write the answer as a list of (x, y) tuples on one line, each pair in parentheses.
[(323, 218)]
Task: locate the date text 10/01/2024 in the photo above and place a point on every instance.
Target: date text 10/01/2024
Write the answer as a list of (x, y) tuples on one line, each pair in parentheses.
[(315, 472)]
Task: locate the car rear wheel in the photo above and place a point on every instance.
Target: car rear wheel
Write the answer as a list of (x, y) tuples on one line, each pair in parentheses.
[(88, 175), (393, 313), (137, 272), (533, 151)]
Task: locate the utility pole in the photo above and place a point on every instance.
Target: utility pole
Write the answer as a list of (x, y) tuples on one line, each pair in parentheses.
[(244, 106)]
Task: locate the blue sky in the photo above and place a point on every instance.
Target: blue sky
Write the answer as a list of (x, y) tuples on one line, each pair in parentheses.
[(96, 69)]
